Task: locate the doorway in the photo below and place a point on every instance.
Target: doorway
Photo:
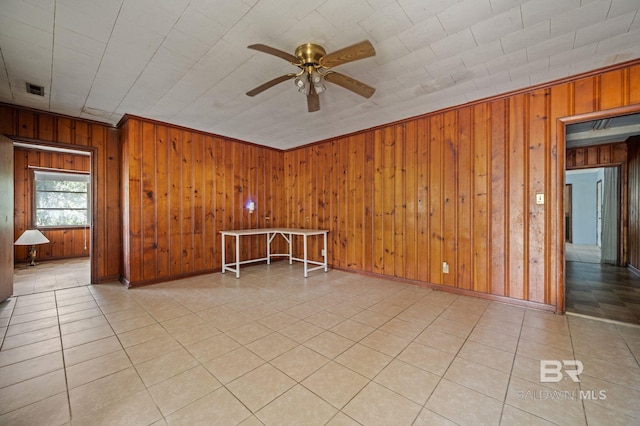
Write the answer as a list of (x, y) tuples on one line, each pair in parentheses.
[(41, 172), (597, 281)]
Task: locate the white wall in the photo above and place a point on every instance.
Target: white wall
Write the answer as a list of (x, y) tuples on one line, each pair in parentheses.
[(584, 204)]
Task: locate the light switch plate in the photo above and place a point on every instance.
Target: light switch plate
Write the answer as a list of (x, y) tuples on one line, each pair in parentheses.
[(539, 198)]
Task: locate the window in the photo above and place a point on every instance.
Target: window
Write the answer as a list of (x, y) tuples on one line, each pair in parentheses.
[(61, 199)]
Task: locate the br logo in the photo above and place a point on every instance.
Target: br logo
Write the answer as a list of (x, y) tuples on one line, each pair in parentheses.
[(551, 370)]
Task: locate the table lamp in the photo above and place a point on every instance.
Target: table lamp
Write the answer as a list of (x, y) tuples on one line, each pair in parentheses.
[(31, 237)]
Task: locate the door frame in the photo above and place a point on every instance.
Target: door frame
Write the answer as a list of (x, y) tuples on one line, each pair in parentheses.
[(558, 267), (93, 167), (7, 226)]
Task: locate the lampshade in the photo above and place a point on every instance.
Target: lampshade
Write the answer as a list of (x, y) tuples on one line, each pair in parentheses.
[(31, 237)]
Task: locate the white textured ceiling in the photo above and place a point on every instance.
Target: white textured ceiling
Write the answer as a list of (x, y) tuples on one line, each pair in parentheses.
[(185, 61)]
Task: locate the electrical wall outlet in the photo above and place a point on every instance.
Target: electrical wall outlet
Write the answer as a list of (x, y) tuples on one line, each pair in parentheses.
[(445, 268), (324, 252), (539, 198)]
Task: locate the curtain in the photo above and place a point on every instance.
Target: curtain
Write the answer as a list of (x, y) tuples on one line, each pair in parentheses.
[(610, 216)]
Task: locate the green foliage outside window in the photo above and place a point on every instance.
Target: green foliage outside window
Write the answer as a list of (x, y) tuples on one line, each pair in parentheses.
[(60, 202)]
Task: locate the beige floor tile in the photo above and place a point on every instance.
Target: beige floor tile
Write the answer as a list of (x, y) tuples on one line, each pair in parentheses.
[(598, 415), (259, 387), (233, 364), (138, 409), (441, 341), (32, 316), (613, 372), (54, 409), (79, 315), (134, 323), (34, 350), (25, 327), (429, 418), (376, 405), (341, 419), (370, 318), (212, 347), (163, 367), (278, 321), (295, 407), (91, 350), (86, 336), (103, 392), (301, 331), (449, 326), (498, 340), (464, 406), (65, 309), (487, 356), (126, 314), (386, 343), (335, 384), (352, 330), (183, 389), (612, 396), (30, 368), (364, 360), (329, 344), (478, 377), (85, 324), (141, 335), (411, 382), (248, 333), (30, 337), (515, 416), (218, 408), (195, 334), (183, 322), (557, 406), (271, 346), (324, 319), (426, 358), (299, 362), (47, 304), (95, 368), (32, 390)]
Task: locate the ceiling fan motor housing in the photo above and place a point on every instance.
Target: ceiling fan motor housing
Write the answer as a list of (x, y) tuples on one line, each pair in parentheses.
[(310, 54)]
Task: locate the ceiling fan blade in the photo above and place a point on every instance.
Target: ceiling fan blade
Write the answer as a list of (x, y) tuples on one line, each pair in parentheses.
[(361, 50), (313, 100), (270, 84), (275, 52), (349, 83)]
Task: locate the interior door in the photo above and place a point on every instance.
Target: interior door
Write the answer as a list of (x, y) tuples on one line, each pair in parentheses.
[(6, 218)]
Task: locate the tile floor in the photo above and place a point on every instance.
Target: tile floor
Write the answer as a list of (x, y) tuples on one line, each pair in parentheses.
[(51, 275), (273, 348), (582, 253)]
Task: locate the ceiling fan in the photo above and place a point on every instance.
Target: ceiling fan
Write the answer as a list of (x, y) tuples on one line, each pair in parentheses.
[(315, 65)]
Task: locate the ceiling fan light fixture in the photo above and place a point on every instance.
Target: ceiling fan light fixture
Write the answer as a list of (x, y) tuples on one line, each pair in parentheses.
[(317, 80), (301, 84)]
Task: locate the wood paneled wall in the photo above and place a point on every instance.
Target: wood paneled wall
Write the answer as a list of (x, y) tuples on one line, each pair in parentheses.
[(634, 202), (181, 187), (64, 243), (102, 140), (456, 186)]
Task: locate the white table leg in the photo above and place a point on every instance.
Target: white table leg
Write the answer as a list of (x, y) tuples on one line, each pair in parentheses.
[(304, 239), (268, 248), (325, 251), (224, 263), (290, 249), (237, 256)]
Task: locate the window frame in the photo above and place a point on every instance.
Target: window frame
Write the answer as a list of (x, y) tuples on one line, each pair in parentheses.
[(34, 192)]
